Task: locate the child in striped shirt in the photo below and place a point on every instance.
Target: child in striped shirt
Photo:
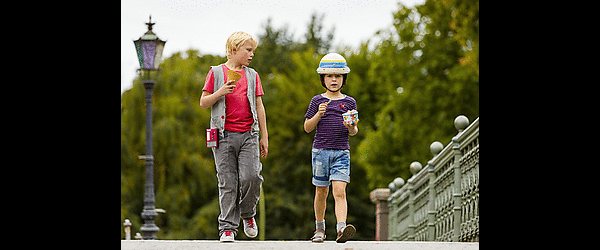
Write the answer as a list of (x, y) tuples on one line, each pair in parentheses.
[(331, 150)]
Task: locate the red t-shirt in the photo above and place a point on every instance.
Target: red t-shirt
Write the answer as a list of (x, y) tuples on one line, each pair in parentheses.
[(238, 115)]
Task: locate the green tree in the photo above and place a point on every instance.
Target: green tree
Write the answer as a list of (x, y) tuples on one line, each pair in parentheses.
[(426, 72), (274, 50), (315, 39)]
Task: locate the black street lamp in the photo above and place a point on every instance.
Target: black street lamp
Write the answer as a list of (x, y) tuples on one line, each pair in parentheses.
[(149, 52)]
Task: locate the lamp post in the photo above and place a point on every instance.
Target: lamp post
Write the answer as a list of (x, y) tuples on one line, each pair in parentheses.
[(149, 52)]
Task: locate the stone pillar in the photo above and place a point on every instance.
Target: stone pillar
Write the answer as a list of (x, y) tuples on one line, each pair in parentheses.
[(380, 198)]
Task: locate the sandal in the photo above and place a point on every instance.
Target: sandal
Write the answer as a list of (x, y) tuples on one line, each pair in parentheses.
[(319, 236)]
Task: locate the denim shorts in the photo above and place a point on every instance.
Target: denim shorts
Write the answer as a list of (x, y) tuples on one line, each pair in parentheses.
[(330, 165)]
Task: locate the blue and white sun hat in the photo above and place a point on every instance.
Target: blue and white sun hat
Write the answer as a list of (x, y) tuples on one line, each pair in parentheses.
[(333, 63)]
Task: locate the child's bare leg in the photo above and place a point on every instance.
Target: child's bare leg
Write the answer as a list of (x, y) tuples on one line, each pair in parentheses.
[(341, 205), (344, 231), (321, 202), (320, 205)]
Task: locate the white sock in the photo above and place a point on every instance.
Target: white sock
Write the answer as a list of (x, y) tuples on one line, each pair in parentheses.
[(340, 225), (320, 224)]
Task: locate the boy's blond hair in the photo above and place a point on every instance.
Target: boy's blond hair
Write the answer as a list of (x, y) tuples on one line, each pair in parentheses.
[(236, 40)]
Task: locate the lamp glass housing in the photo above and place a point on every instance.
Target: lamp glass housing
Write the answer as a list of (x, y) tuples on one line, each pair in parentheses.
[(149, 50)]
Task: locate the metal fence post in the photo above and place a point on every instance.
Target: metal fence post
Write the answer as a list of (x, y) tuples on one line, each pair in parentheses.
[(435, 148), (460, 123), (393, 209), (411, 210), (415, 167)]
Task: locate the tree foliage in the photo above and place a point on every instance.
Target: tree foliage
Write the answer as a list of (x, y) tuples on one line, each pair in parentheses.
[(431, 54), (425, 73)]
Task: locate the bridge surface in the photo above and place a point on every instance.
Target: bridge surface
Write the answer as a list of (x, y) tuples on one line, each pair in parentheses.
[(295, 245)]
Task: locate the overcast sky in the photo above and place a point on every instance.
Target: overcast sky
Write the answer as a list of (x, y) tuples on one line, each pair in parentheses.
[(205, 25)]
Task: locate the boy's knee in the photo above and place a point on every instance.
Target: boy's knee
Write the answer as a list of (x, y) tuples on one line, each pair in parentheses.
[(339, 193), (254, 179)]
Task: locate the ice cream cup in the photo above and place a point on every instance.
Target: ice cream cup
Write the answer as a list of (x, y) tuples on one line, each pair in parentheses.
[(350, 116)]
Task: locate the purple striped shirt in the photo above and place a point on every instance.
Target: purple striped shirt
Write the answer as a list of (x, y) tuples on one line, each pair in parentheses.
[(331, 132)]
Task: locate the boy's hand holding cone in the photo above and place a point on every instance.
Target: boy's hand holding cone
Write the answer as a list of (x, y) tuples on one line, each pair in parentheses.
[(232, 78)]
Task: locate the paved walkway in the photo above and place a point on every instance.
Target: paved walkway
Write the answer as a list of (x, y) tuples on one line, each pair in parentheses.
[(295, 245)]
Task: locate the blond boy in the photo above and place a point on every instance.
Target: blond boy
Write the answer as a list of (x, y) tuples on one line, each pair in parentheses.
[(239, 115)]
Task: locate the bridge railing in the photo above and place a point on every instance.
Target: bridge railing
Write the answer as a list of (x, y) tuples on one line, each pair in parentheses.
[(441, 201)]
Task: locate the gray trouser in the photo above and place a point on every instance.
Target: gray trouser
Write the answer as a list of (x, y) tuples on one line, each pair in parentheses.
[(237, 162)]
